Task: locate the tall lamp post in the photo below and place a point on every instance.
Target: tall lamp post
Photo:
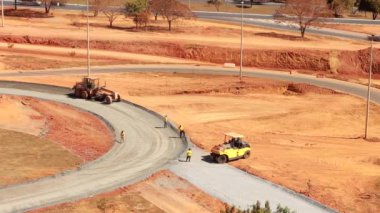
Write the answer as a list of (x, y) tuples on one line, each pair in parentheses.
[(2, 13), (88, 40), (241, 41), (369, 88)]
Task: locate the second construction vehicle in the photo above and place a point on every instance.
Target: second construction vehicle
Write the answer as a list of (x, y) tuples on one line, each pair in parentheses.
[(89, 88), (233, 148)]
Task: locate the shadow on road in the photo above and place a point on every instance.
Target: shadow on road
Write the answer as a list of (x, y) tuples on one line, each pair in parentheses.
[(208, 159)]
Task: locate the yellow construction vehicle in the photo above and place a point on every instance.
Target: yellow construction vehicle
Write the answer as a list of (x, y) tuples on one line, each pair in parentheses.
[(233, 148)]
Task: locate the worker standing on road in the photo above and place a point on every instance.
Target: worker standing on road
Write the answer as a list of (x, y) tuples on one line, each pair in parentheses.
[(165, 121), (181, 131), (189, 153), (122, 136)]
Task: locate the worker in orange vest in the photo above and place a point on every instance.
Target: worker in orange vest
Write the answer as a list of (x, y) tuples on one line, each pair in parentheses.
[(189, 153)]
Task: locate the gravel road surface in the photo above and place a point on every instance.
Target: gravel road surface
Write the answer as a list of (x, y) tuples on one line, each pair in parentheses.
[(146, 150)]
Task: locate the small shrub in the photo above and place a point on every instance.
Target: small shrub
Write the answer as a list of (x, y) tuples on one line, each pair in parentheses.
[(11, 45), (256, 208)]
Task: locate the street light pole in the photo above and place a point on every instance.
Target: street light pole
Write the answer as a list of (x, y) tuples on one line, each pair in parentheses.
[(241, 41), (2, 13), (88, 40), (369, 89)]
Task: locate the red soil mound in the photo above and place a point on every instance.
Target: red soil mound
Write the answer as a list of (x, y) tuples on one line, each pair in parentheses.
[(353, 62), (349, 62), (284, 59), (26, 13), (80, 132)]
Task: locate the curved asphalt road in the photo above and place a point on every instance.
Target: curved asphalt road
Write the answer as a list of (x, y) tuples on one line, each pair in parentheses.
[(146, 150), (149, 149)]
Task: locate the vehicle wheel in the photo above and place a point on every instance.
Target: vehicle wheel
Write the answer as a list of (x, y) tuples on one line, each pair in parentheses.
[(118, 98), (77, 93), (246, 154), (84, 95), (221, 159), (108, 99)]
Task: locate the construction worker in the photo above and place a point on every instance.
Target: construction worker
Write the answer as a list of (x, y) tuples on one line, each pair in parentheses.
[(122, 136), (181, 131), (165, 121), (189, 153)]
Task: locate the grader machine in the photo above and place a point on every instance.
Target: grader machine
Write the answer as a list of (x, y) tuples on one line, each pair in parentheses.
[(89, 88)]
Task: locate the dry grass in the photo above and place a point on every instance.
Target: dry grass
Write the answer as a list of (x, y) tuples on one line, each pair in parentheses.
[(25, 157)]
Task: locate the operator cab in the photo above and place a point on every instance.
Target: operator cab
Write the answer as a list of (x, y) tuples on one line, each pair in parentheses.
[(235, 140), (91, 83)]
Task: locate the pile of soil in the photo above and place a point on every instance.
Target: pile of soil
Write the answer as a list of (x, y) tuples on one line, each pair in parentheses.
[(353, 61), (282, 36), (307, 88), (26, 13), (350, 62)]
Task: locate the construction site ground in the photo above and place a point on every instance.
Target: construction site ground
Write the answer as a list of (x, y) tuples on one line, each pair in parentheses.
[(296, 137), (190, 41), (299, 136), (163, 192)]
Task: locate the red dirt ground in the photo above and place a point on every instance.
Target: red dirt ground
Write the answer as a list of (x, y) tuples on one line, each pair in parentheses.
[(345, 62), (162, 192), (82, 133)]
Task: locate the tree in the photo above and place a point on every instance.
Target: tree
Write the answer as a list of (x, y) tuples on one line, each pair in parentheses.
[(339, 6), (47, 4), (153, 9), (372, 6), (15, 4), (216, 3), (304, 13), (98, 5), (139, 10), (171, 10), (112, 14)]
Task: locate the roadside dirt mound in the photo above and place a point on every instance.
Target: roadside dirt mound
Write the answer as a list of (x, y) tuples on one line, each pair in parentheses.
[(358, 61), (306, 88), (338, 62), (282, 59), (26, 13), (244, 88), (82, 133), (282, 36)]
